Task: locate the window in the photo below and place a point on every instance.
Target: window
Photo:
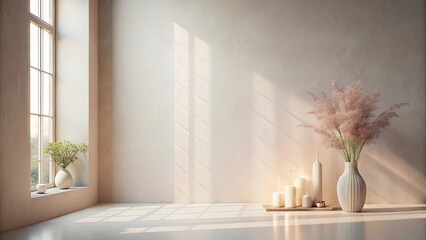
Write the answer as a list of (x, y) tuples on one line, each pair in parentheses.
[(42, 89)]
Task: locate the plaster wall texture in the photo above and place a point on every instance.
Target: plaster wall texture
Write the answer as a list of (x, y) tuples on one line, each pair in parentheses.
[(200, 100)]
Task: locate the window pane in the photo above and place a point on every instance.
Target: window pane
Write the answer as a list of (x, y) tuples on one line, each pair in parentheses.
[(34, 91), (47, 51), (41, 89), (34, 173), (47, 9), (34, 134), (34, 7), (47, 134), (34, 46), (47, 102), (45, 171)]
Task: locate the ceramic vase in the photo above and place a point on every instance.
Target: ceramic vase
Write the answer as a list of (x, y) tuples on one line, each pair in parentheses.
[(351, 189), (63, 179), (41, 188)]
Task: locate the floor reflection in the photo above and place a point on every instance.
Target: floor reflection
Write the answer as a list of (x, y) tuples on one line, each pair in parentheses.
[(227, 221)]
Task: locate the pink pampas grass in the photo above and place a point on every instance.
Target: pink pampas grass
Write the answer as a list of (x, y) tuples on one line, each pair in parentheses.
[(347, 121)]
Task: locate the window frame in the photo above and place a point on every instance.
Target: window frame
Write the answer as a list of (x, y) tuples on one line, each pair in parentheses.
[(51, 28)]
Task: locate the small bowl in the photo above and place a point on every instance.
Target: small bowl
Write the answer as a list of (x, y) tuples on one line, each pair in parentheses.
[(320, 204), (41, 188)]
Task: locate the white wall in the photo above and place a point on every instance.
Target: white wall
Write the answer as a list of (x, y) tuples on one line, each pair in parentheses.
[(76, 88), (200, 100), (16, 206)]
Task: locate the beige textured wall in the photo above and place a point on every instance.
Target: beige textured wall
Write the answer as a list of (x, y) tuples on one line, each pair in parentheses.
[(16, 206), (200, 100)]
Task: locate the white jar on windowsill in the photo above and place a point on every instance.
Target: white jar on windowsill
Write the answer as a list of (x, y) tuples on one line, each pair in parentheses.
[(41, 188)]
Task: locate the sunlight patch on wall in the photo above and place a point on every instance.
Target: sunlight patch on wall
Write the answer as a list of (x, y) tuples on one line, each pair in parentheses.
[(264, 136), (181, 87), (202, 121), (192, 73), (408, 181)]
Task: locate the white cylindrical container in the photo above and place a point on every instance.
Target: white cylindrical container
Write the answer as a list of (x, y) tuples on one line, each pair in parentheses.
[(278, 199), (41, 188), (317, 181), (306, 201), (290, 196), (300, 184)]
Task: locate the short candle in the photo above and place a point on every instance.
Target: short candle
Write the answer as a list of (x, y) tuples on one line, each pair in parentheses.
[(278, 199)]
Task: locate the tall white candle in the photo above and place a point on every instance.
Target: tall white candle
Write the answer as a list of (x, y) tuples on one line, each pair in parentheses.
[(317, 180), (290, 196), (300, 184)]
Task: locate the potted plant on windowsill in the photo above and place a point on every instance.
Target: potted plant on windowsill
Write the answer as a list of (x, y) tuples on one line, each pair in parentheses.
[(64, 153)]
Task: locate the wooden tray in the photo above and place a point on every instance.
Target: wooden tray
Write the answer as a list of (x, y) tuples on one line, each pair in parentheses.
[(270, 208)]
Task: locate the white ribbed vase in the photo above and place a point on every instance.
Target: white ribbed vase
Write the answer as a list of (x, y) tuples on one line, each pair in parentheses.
[(351, 189)]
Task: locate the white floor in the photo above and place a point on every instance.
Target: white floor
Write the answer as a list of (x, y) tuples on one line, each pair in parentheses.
[(227, 221)]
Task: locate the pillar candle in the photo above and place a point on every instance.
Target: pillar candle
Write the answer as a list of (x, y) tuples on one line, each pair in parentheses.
[(278, 199), (306, 201), (300, 184), (317, 181), (290, 196)]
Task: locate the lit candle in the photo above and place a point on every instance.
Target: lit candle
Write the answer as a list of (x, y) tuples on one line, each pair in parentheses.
[(290, 196), (317, 181), (300, 184), (278, 197)]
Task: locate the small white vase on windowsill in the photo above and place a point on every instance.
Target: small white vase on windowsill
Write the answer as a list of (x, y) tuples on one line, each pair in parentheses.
[(41, 188), (63, 179)]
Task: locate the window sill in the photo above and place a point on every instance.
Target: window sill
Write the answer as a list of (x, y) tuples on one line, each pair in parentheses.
[(54, 191)]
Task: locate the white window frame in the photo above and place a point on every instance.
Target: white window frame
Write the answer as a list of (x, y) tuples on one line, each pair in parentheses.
[(51, 28)]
